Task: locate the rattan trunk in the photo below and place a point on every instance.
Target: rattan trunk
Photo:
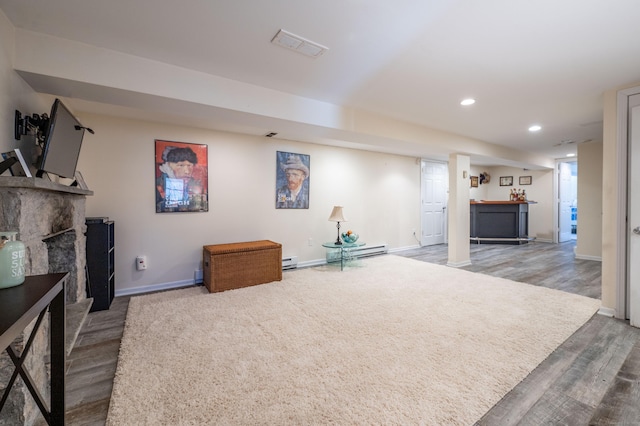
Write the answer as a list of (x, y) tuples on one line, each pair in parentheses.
[(237, 265)]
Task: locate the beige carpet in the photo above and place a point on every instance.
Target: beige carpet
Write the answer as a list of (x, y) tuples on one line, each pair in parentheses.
[(391, 341)]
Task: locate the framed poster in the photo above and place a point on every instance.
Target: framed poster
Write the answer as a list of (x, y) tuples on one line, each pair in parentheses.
[(181, 177), (506, 180), (474, 181), (292, 180), (525, 180)]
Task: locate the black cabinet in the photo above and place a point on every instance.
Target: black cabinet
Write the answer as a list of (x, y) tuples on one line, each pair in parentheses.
[(500, 222), (100, 262)]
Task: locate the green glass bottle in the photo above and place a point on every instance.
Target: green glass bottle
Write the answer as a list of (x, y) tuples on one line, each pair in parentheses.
[(11, 260)]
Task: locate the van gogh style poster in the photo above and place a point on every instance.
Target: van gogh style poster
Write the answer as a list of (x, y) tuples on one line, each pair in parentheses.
[(292, 180), (181, 177)]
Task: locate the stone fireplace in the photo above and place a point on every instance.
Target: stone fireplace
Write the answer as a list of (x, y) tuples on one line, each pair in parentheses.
[(50, 221)]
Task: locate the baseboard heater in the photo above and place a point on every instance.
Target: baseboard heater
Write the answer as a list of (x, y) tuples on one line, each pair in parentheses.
[(368, 250), (364, 251), (290, 262), (478, 239)]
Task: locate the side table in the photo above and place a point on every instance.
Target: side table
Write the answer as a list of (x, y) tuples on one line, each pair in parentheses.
[(345, 248), (21, 304)]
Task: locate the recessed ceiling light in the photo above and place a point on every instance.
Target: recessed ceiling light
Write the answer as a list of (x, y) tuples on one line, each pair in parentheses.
[(468, 101), (535, 128), (571, 155)]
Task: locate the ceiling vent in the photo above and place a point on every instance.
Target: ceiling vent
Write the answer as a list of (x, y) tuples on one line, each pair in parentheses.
[(298, 44), (565, 142)]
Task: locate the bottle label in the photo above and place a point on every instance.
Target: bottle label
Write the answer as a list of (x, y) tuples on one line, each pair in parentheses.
[(17, 263)]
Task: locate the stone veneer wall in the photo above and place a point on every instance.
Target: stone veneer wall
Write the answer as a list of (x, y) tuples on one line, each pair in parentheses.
[(50, 221)]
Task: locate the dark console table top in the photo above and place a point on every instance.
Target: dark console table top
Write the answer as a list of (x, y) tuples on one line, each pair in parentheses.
[(503, 202), (19, 305)]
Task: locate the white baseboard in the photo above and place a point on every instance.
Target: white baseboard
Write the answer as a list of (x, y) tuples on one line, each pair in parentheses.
[(398, 249), (607, 312), (543, 240), (459, 264), (586, 257), (155, 287)]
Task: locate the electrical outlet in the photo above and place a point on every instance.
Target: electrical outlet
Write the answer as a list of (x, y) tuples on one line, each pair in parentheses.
[(310, 242), (141, 263)]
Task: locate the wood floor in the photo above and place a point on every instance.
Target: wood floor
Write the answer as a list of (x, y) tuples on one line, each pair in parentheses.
[(593, 378)]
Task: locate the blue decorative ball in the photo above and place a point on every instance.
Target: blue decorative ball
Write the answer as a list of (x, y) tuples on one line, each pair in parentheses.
[(349, 238)]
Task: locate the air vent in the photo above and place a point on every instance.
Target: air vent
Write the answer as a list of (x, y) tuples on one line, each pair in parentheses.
[(565, 142), (298, 44)]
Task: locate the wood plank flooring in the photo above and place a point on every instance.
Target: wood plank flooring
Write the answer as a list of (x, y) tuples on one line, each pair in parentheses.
[(91, 366), (543, 264), (591, 379)]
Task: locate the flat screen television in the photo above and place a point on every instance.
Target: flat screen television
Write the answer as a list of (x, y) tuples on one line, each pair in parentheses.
[(62, 142)]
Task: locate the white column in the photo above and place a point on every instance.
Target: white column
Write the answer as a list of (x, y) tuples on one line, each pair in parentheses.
[(458, 215)]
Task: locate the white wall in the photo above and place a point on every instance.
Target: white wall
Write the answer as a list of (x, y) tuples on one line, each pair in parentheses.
[(380, 194), (589, 244), (14, 92)]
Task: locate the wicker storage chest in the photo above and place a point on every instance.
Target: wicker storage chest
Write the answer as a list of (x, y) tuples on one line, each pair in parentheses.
[(236, 265)]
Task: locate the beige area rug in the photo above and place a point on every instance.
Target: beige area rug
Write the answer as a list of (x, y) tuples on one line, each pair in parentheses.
[(391, 341)]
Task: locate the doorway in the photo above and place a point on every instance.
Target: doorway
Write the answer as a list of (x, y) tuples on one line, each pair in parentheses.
[(567, 172), (627, 214), (433, 204), (633, 205)]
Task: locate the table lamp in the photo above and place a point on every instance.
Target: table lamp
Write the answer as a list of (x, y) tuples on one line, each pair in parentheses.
[(337, 216)]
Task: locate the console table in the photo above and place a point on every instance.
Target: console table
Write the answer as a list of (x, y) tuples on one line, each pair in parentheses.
[(19, 306), (345, 248), (500, 222)]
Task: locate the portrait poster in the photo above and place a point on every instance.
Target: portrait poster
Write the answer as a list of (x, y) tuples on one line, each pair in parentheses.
[(292, 180), (181, 177)]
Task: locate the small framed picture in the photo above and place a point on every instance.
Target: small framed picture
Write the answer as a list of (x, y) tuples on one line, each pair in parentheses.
[(20, 167), (474, 181), (525, 180), (506, 180), (80, 180)]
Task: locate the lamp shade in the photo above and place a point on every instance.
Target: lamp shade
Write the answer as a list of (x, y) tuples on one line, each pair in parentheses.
[(336, 215)]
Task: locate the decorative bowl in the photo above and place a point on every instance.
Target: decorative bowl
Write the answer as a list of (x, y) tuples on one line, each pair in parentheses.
[(349, 238)]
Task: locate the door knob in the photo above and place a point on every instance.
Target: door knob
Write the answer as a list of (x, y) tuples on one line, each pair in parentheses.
[(636, 230)]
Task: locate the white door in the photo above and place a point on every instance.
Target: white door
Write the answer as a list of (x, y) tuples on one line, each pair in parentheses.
[(435, 178), (633, 260), (565, 201)]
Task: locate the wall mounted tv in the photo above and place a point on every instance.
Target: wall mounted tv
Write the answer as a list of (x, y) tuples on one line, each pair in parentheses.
[(62, 142)]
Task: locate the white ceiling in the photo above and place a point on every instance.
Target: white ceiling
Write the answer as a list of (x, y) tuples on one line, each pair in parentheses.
[(526, 62)]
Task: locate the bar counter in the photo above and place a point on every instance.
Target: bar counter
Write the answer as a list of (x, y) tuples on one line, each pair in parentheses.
[(500, 222)]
